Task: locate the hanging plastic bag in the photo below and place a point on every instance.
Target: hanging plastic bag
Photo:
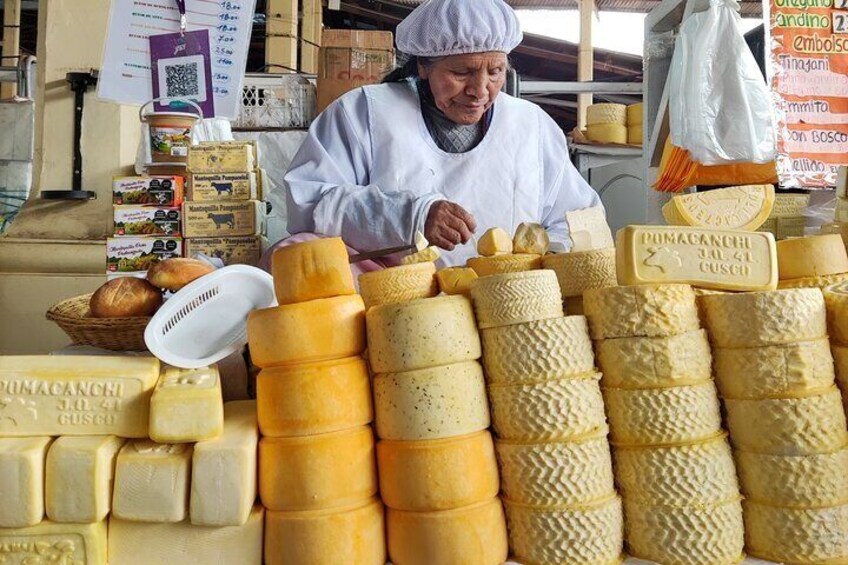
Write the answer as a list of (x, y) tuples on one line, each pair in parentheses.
[(720, 107)]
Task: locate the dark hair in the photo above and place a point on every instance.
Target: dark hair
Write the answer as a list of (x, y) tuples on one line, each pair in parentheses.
[(408, 69)]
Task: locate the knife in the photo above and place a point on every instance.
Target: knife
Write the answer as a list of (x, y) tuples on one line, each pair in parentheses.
[(377, 253)]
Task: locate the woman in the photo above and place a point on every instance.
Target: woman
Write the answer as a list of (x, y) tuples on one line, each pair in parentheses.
[(437, 147)]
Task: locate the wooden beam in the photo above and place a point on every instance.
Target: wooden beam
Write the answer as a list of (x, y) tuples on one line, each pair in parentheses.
[(585, 58), (11, 44), (281, 36), (311, 33)]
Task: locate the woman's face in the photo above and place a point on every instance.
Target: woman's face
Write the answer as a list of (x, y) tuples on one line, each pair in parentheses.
[(465, 86)]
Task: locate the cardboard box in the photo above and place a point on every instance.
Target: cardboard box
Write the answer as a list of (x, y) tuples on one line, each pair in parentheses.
[(230, 250), (222, 157), (222, 219), (156, 191), (147, 220), (214, 187), (134, 254), (349, 59)]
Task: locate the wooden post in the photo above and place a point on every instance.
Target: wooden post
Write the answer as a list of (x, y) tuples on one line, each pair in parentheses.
[(313, 19), (11, 44), (281, 31), (585, 59)]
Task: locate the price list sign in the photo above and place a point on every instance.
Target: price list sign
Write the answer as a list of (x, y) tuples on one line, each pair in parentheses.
[(808, 70)]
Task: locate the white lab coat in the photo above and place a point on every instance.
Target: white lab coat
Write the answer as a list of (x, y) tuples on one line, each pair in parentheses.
[(369, 171)]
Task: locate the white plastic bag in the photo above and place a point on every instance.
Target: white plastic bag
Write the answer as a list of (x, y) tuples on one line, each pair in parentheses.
[(719, 104)]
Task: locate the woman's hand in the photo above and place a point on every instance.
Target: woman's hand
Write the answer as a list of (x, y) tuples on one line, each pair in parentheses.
[(448, 225)]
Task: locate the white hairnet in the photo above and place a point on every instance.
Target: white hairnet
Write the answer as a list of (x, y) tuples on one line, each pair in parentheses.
[(452, 27)]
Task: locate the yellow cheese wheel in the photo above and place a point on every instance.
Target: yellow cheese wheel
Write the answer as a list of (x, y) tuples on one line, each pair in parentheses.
[(655, 362), (607, 133), (663, 416), (606, 114), (516, 298), (308, 332), (635, 135), (471, 535), (556, 473), (836, 302), (635, 114), (788, 426), (398, 284), (456, 280), (317, 472), (677, 475), (537, 351), (590, 533), (563, 409), (787, 535), (315, 398), (501, 264), (422, 333), (840, 358), (311, 270), (579, 271), (641, 311), (796, 481), (355, 534), (813, 256), (756, 319), (433, 403), (774, 371), (813, 282), (425, 476), (692, 534)]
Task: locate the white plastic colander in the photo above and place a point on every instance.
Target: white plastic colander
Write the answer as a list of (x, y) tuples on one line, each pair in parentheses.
[(207, 320)]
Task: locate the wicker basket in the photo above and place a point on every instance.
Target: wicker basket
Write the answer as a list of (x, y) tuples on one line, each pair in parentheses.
[(118, 334)]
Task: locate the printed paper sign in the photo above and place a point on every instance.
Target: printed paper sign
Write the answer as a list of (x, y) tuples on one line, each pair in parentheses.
[(180, 68)]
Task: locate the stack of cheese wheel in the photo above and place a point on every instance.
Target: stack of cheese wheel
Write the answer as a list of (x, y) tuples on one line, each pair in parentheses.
[(438, 472), (673, 463), (317, 470), (836, 301), (812, 262), (548, 415), (579, 271), (607, 123), (786, 420), (634, 124)]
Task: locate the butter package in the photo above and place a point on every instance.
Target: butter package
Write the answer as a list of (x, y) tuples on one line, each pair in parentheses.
[(158, 191), (133, 254), (213, 187), (222, 157), (230, 250), (147, 220), (222, 219)]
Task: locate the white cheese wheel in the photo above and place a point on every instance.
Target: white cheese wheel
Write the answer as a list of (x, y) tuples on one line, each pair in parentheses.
[(516, 298), (472, 535), (797, 481), (556, 473), (756, 319), (635, 114), (840, 358), (788, 426), (606, 114), (537, 351), (836, 302), (591, 533), (641, 311), (607, 133), (579, 271), (735, 207), (703, 535), (432, 403), (550, 410), (655, 362), (398, 284), (677, 475), (422, 333), (502, 264), (812, 282), (813, 256), (663, 416), (773, 371), (808, 536)]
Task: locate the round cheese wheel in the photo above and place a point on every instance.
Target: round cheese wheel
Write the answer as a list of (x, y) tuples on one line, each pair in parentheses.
[(812, 282), (840, 358), (500, 264), (422, 333), (516, 298), (473, 535), (308, 332), (606, 114), (398, 284), (440, 474), (634, 114), (315, 398), (641, 311), (312, 269), (590, 533), (579, 271), (607, 133), (813, 256), (797, 535), (317, 472), (635, 135), (434, 403), (836, 302)]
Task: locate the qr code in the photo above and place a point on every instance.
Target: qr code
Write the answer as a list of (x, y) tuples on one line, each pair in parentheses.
[(182, 80)]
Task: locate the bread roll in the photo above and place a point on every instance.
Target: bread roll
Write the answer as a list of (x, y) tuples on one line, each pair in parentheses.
[(127, 297), (173, 274)]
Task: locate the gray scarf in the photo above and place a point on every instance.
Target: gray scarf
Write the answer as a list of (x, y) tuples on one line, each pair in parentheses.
[(448, 135)]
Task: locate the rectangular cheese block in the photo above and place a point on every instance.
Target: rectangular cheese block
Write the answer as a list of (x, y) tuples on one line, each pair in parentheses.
[(134, 254), (85, 395), (588, 228), (230, 250), (708, 258), (22, 481), (49, 542), (135, 543), (187, 406), (205, 187), (223, 470), (78, 478), (158, 191), (216, 157), (152, 482), (222, 219), (147, 220)]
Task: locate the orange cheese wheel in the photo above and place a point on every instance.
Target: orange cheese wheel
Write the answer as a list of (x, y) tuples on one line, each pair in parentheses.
[(311, 270)]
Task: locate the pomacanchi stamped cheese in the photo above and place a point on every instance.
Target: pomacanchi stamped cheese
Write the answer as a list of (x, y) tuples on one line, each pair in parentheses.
[(187, 406), (22, 481), (736, 207), (709, 258), (50, 542)]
